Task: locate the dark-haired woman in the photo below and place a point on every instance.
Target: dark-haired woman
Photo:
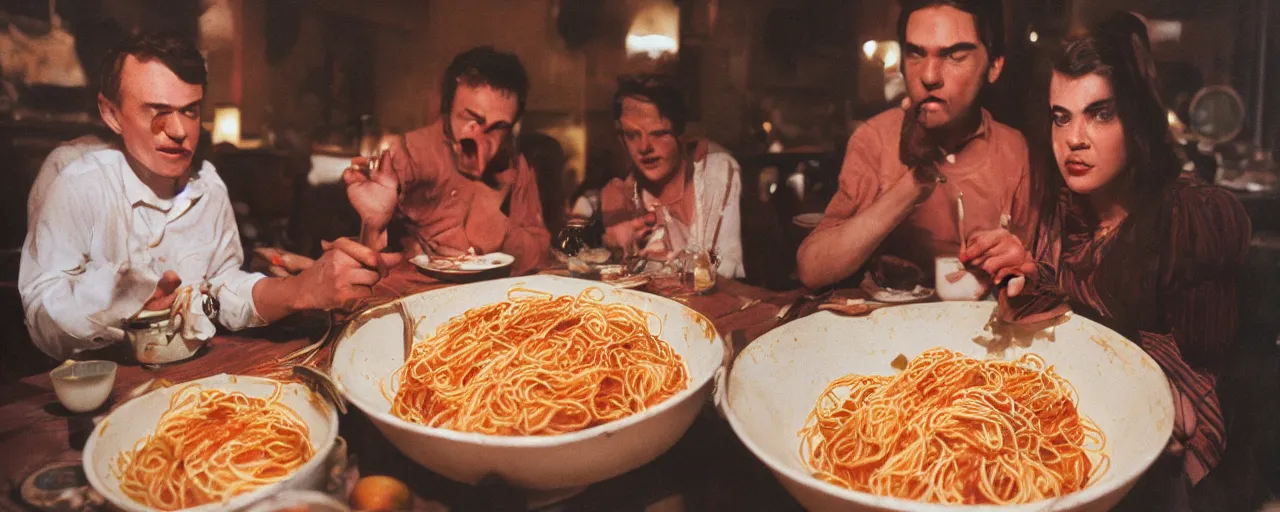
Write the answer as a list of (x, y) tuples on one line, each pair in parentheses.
[(1126, 241)]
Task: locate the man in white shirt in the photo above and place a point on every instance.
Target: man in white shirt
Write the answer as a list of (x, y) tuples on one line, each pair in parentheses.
[(122, 228), (680, 193)]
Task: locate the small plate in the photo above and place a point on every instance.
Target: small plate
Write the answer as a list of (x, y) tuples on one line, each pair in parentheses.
[(808, 220), (630, 282), (464, 264), (889, 295)]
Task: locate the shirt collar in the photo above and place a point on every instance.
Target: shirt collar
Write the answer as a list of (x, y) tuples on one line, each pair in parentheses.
[(138, 192), (982, 133)]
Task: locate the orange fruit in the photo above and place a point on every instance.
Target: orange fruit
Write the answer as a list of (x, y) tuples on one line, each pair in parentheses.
[(381, 493)]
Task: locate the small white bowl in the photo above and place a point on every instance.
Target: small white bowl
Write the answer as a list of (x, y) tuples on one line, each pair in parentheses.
[(84, 385)]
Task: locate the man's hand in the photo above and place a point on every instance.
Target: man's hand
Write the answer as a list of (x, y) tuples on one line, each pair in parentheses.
[(373, 190), (343, 274), (627, 235), (919, 151), (1000, 254), (164, 295)]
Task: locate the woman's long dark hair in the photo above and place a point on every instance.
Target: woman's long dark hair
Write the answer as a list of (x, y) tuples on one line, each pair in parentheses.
[(1115, 51), (1130, 268)]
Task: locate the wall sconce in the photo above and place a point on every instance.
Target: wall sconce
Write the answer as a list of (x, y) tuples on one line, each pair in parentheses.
[(226, 125), (869, 49), (890, 53), (655, 30)]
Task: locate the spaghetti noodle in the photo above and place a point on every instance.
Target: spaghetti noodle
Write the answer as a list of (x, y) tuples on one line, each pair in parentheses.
[(212, 445), (537, 364), (952, 429)]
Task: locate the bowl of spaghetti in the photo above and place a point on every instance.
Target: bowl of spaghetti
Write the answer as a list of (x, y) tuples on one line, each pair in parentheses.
[(547, 382), (218, 443), (934, 407)]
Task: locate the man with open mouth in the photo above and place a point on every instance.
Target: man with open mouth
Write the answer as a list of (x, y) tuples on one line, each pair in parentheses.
[(458, 186), (905, 168)]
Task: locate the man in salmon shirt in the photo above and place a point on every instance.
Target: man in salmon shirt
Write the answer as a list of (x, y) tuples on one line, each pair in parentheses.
[(904, 168), (458, 185)]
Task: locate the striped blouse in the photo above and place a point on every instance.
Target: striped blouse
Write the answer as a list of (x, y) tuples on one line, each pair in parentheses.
[(1167, 281)]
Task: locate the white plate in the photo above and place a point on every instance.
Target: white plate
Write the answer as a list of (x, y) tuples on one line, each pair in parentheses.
[(464, 264), (807, 220), (892, 296)]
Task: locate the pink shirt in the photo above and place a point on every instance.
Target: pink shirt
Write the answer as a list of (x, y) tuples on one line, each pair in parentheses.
[(991, 170), (442, 208)]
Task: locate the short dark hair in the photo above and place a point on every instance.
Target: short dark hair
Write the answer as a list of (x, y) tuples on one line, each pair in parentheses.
[(988, 19), (177, 53), (484, 65), (658, 89)]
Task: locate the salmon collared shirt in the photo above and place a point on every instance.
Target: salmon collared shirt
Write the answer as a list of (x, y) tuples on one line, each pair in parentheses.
[(447, 211), (991, 169)]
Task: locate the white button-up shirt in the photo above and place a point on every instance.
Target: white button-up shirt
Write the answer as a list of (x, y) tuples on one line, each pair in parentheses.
[(99, 240)]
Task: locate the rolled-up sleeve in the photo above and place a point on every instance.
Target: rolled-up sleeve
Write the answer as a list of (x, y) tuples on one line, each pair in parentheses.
[(234, 286), (72, 304)]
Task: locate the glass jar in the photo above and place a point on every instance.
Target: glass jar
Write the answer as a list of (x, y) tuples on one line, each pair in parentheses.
[(572, 238), (697, 270)]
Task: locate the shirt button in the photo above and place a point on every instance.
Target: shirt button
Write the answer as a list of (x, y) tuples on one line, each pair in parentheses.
[(453, 192), (951, 159)]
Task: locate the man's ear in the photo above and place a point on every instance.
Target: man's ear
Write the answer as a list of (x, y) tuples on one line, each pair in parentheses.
[(993, 71), (110, 114)]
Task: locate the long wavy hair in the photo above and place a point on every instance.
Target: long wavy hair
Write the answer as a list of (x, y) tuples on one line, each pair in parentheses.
[(1115, 51)]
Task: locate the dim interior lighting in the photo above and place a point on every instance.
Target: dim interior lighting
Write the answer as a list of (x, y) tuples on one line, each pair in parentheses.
[(1173, 118), (1164, 31), (1034, 36), (226, 125), (653, 45), (655, 31), (869, 49), (768, 127), (892, 54)]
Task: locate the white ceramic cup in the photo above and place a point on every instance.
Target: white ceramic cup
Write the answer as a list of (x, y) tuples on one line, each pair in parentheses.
[(969, 287), (83, 386)]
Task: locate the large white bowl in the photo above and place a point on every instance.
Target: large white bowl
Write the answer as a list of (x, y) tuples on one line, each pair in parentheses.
[(137, 418), (775, 382), (372, 349)]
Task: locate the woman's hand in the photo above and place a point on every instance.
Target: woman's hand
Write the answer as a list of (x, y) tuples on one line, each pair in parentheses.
[(281, 263), (1000, 254)]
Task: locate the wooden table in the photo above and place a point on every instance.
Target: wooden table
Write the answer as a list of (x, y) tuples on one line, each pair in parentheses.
[(708, 470)]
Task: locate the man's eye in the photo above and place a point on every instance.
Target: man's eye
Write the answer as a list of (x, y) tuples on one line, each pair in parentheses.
[(1106, 115), (1061, 119), (958, 56)]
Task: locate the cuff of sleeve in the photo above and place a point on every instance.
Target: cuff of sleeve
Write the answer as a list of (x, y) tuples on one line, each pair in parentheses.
[(239, 311)]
